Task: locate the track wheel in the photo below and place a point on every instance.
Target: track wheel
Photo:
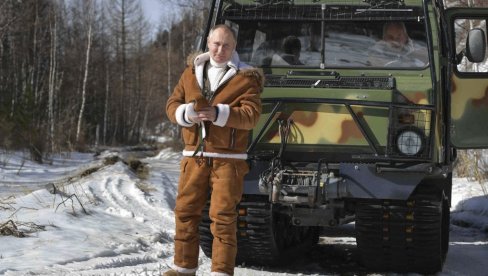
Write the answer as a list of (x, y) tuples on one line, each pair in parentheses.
[(264, 236), (404, 236)]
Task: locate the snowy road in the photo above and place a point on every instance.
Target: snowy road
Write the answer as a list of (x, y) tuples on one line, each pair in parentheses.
[(129, 226)]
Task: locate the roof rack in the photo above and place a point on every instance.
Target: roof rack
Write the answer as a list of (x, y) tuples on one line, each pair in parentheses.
[(291, 11)]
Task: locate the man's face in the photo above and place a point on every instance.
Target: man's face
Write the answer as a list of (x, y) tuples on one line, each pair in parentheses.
[(221, 45), (395, 36)]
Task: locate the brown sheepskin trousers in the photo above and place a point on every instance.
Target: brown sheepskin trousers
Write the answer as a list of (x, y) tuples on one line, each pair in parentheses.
[(223, 177)]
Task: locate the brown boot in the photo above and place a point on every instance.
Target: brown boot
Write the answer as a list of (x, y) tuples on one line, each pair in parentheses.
[(173, 272)]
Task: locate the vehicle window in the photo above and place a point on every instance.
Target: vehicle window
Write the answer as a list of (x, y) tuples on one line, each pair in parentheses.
[(344, 44), (462, 27)]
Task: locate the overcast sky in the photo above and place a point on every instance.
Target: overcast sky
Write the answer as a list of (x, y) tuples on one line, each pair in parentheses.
[(157, 12), (153, 10)]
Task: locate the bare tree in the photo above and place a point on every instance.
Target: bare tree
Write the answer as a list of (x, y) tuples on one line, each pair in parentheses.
[(138, 96), (53, 64), (74, 72), (168, 49), (122, 14), (105, 54), (89, 7)]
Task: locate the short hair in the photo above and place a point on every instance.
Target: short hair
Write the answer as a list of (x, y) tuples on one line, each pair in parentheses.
[(225, 27), (291, 44), (398, 24)]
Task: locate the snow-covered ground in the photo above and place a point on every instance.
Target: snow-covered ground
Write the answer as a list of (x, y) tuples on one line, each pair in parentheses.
[(120, 224)]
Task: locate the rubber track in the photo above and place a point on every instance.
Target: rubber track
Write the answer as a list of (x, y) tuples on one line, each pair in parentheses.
[(400, 236), (255, 239)]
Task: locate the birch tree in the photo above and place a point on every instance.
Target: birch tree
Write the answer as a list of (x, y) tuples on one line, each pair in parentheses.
[(89, 7), (52, 76), (71, 72)]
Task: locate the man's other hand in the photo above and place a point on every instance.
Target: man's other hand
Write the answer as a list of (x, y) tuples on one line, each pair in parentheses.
[(207, 114)]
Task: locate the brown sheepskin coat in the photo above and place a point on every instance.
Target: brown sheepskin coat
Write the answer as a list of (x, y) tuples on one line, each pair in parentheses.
[(238, 102)]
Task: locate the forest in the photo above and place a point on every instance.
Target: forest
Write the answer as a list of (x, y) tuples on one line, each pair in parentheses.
[(77, 74)]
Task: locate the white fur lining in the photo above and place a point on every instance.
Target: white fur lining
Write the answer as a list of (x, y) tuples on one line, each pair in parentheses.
[(213, 273), (190, 112), (180, 115), (184, 270), (228, 75), (234, 63), (199, 75), (189, 153), (223, 117)]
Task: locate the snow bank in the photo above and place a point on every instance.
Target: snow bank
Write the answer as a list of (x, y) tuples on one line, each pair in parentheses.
[(129, 225)]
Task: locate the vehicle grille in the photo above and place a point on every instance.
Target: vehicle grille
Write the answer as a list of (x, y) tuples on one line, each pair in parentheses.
[(387, 83)]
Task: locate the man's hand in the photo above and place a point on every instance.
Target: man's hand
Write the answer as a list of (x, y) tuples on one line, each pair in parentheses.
[(195, 119), (206, 114)]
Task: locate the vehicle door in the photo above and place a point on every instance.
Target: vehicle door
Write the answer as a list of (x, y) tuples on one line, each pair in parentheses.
[(468, 75)]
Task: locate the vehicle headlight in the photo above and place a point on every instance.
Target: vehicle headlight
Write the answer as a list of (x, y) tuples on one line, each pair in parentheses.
[(410, 141)]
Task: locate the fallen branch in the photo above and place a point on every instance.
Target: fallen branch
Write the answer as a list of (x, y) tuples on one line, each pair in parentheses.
[(32, 226), (8, 204), (10, 229), (21, 209), (21, 166), (71, 198)]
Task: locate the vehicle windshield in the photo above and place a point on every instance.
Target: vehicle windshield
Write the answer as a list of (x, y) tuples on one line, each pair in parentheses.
[(325, 36)]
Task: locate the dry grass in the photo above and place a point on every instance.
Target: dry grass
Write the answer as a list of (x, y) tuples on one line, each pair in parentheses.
[(9, 228), (473, 164), (145, 187)]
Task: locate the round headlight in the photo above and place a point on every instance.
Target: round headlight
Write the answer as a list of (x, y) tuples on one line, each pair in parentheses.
[(410, 142)]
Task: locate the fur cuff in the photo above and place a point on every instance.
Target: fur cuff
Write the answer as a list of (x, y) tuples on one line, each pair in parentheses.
[(190, 153), (213, 273), (184, 270), (190, 112), (181, 116), (223, 115)]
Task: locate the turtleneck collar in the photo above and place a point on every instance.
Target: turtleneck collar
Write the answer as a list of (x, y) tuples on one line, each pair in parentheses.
[(218, 65)]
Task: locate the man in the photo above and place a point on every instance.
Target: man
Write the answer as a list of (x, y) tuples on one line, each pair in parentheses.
[(291, 48), (395, 35), (217, 102), (396, 49)]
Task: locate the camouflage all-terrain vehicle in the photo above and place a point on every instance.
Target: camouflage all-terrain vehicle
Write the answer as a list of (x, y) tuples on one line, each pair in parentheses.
[(352, 130)]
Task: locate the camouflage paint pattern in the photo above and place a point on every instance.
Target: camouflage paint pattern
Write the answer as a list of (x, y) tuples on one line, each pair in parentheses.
[(332, 124), (325, 124), (469, 112)]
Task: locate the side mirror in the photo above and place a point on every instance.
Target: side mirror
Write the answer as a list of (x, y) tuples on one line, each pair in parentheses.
[(475, 45)]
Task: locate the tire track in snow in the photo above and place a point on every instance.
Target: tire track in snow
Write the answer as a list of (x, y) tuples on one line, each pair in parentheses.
[(163, 180), (167, 176), (106, 265), (114, 206), (65, 177), (147, 243), (119, 190), (130, 198), (125, 199)]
